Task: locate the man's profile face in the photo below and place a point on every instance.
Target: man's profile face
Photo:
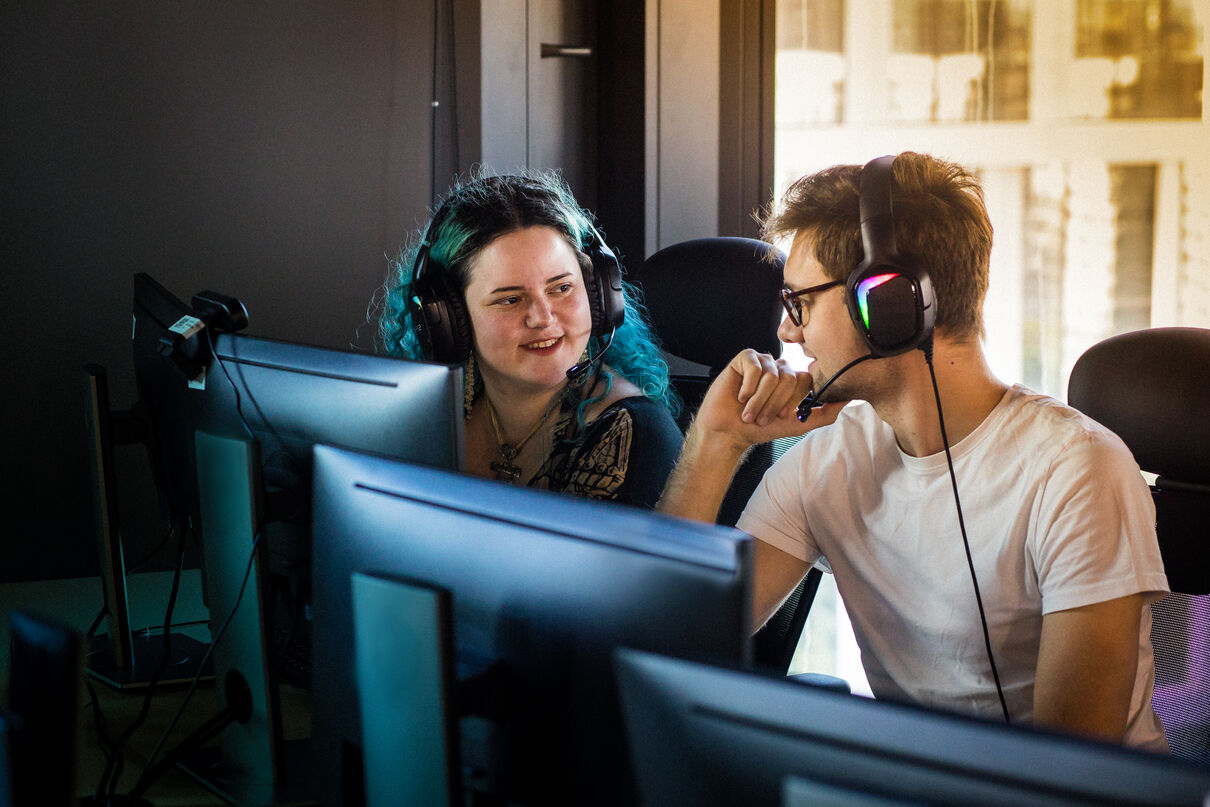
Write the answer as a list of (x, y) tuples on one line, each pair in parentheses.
[(827, 334)]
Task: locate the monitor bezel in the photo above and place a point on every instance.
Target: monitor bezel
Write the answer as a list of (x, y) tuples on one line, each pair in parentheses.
[(697, 714)]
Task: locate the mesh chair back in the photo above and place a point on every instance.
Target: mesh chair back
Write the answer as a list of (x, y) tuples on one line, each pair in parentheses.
[(1150, 387)]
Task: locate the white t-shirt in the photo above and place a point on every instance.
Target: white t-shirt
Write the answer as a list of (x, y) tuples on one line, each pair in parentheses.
[(1057, 515)]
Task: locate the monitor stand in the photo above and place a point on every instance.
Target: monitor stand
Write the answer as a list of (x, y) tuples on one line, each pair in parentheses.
[(122, 658), (185, 657)]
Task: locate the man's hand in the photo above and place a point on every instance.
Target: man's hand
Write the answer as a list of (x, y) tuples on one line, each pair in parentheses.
[(752, 401)]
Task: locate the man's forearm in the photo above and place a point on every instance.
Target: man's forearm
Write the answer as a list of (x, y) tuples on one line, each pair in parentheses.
[(697, 485)]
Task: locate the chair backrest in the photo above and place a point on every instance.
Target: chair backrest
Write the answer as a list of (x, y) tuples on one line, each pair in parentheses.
[(708, 299), (1152, 387)]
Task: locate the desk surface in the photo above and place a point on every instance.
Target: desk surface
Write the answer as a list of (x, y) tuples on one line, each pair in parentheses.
[(175, 788), (76, 602)]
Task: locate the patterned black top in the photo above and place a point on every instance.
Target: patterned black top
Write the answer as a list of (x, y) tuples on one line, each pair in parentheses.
[(626, 455)]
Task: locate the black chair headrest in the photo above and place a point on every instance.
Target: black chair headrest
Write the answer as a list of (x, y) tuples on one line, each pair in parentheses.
[(1152, 387), (711, 297)]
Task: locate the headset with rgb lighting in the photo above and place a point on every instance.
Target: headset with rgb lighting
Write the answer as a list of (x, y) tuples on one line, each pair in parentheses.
[(889, 298)]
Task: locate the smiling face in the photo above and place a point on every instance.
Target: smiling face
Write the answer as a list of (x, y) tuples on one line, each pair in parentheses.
[(528, 309)]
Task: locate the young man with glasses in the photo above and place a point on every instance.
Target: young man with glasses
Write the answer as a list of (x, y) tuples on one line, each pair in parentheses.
[(1028, 601)]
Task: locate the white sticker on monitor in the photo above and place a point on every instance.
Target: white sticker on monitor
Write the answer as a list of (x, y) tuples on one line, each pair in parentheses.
[(187, 326)]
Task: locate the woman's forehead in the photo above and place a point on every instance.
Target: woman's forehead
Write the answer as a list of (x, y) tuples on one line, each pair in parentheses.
[(533, 255)]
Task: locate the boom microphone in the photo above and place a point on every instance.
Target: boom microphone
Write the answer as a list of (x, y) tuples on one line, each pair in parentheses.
[(580, 368), (812, 400)]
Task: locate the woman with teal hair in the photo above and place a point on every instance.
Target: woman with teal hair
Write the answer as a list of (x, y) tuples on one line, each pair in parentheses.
[(565, 387)]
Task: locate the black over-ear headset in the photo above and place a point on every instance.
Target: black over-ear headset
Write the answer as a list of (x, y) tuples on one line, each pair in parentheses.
[(438, 306), (890, 299)]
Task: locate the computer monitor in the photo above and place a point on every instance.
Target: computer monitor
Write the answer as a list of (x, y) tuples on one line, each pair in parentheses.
[(706, 735), (405, 677), (232, 419), (286, 397), (543, 587), (6, 777), (169, 345), (44, 685), (121, 656)]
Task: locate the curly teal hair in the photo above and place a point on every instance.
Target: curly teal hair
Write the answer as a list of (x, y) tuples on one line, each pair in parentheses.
[(476, 213)]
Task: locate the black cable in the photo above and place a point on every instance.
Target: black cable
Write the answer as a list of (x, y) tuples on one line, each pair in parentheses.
[(106, 788), (198, 737), (144, 781), (96, 623), (165, 658), (812, 400), (987, 641), (239, 406), (100, 724), (147, 558)]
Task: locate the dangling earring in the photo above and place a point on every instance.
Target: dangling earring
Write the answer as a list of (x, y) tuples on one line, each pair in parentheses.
[(468, 385)]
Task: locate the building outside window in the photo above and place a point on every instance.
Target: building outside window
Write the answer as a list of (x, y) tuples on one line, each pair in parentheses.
[(1085, 122)]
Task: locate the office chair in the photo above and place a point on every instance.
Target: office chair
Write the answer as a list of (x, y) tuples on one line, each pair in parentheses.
[(708, 299), (1150, 387)]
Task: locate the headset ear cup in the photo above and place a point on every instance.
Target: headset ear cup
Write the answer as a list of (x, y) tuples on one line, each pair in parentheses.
[(441, 320), (892, 306), (889, 298), (595, 306), (603, 281), (462, 339)]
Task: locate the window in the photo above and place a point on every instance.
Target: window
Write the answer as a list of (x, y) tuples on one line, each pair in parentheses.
[(1084, 120)]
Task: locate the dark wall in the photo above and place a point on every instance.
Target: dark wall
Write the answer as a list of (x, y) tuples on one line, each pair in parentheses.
[(274, 151), (621, 147)]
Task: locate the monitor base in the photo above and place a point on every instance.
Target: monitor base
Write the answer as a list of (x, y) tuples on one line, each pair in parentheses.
[(186, 654)]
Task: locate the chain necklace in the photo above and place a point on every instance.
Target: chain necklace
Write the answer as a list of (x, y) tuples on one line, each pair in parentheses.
[(506, 469)]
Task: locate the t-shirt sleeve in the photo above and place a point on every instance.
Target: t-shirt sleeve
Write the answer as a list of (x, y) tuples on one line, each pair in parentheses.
[(775, 512), (1095, 534)]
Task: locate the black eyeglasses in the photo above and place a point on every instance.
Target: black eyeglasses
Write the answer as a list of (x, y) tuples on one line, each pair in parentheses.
[(793, 305)]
